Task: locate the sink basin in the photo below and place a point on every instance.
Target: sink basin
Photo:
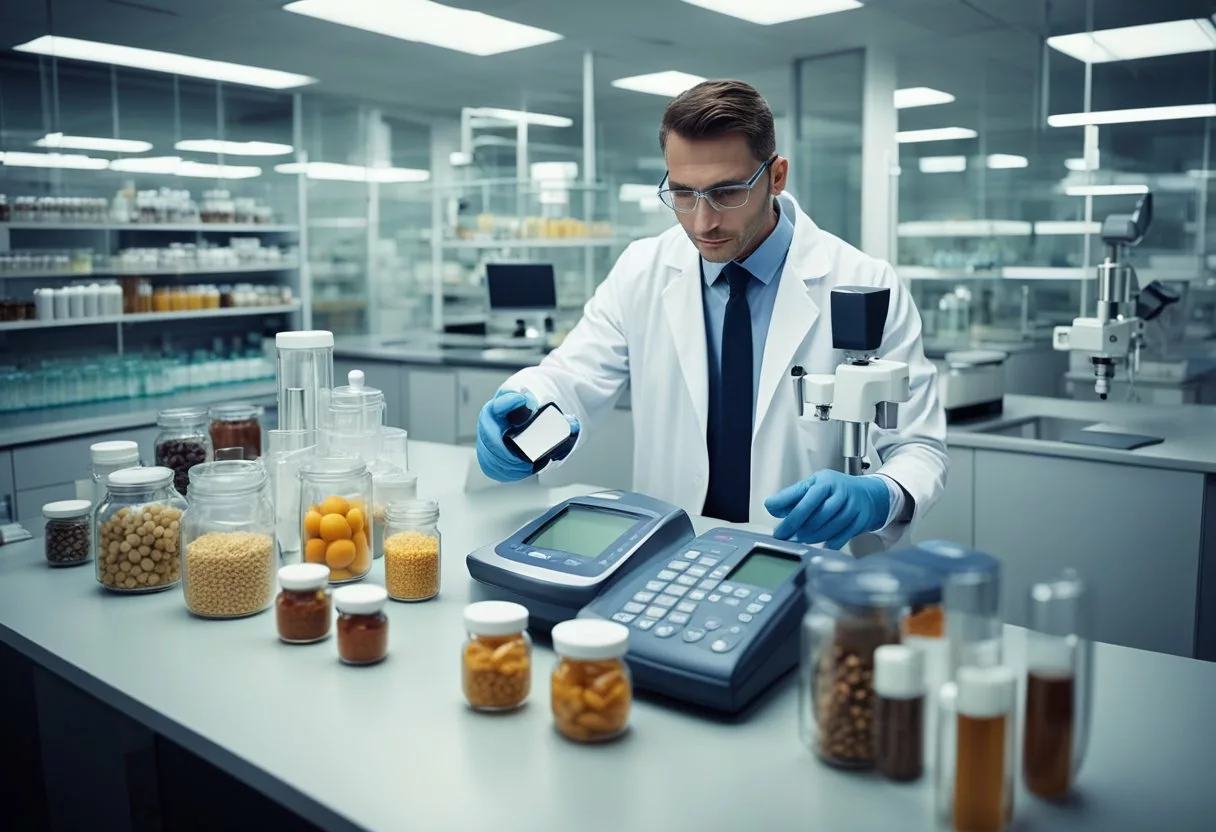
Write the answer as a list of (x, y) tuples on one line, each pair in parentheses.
[(1046, 428)]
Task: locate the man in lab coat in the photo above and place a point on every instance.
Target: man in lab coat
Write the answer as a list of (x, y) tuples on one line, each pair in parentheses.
[(705, 322)]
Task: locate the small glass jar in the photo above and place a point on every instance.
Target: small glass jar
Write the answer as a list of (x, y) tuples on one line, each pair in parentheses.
[(591, 690), (237, 426), (335, 495), (183, 442), (69, 532), (228, 540), (304, 608), (138, 531), (412, 550), (108, 457), (497, 656), (852, 613), (362, 624)]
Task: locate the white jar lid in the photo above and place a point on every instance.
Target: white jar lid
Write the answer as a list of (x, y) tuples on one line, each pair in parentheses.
[(361, 599), (301, 577), (590, 639), (986, 692), (495, 618), (65, 509), (899, 672), (141, 476), (309, 339), (113, 453)]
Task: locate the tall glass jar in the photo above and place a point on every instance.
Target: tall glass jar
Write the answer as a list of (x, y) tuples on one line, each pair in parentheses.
[(590, 691), (228, 540), (138, 530), (183, 442), (335, 521), (496, 659), (411, 550), (851, 614), (237, 426)]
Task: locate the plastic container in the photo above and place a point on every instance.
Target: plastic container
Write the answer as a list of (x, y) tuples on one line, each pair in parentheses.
[(306, 362), (69, 532), (362, 624), (44, 303), (63, 303), (394, 448), (591, 690), (228, 540), (899, 719), (183, 442), (1059, 686), (304, 607), (237, 426), (138, 531), (496, 658), (388, 487), (982, 768), (412, 550), (335, 522), (108, 457)]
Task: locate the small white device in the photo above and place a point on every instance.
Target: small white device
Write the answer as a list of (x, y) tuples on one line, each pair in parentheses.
[(540, 435)]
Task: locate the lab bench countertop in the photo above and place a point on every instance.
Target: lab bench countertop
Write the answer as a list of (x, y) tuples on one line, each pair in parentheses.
[(393, 746), (429, 348)]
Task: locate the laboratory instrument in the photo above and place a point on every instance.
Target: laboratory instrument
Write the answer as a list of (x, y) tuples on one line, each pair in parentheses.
[(558, 563), (539, 436), (971, 383), (590, 689), (526, 291), (496, 658), (864, 389)]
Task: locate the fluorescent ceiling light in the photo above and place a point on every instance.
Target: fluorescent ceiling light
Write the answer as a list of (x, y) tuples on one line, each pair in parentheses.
[(1133, 116), (71, 161), (942, 164), (62, 142), (459, 158), (202, 170), (353, 173), (940, 134), (768, 12), (1007, 161), (233, 148), (422, 21), (1176, 37), (965, 228), (553, 171), (516, 116), (148, 164), (669, 83), (1066, 228), (1106, 190), (920, 97), (1078, 165), (108, 53)]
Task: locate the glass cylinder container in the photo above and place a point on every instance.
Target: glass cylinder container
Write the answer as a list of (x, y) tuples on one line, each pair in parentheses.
[(306, 362), (362, 624), (138, 531), (228, 540), (394, 447), (304, 608), (496, 659), (1059, 686), (852, 613), (237, 426), (354, 420), (591, 689), (982, 767), (899, 714), (69, 532), (388, 487), (183, 442), (335, 498), (412, 550), (108, 457)]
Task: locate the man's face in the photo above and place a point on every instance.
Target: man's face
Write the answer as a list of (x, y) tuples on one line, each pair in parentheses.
[(722, 236)]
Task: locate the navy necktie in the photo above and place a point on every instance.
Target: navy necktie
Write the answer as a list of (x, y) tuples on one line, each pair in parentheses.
[(730, 412)]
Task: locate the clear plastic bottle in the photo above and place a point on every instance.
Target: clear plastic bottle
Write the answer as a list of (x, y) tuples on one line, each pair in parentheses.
[(306, 362), (591, 690), (389, 485), (335, 522), (108, 457), (138, 531), (496, 658), (412, 550)]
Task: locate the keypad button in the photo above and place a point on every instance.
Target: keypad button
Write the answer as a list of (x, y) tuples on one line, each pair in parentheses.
[(666, 601), (634, 607), (696, 595), (623, 617), (656, 612), (677, 618), (732, 602), (656, 586), (666, 575), (719, 573), (726, 589), (643, 597), (715, 598), (645, 623), (686, 580), (693, 634), (692, 554), (720, 550), (707, 584), (678, 565), (755, 608), (686, 606), (746, 618), (677, 590), (665, 630), (697, 571), (712, 623), (735, 630), (764, 597), (742, 592), (708, 562), (722, 645)]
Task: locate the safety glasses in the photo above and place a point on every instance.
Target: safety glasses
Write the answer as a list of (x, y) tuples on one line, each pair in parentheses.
[(722, 197)]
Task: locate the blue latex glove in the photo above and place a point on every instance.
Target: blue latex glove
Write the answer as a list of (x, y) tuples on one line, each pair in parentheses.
[(830, 507), (496, 460)]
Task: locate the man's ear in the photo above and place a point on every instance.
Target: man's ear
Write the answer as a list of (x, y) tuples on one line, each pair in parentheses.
[(781, 172)]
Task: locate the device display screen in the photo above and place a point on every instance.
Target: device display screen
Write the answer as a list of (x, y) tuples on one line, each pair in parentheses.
[(767, 570), (584, 532), (521, 286)]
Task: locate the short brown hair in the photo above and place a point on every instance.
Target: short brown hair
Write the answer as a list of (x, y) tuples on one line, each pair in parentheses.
[(715, 108)]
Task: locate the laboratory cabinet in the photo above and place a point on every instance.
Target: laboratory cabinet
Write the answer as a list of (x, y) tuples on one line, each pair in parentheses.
[(432, 406), (8, 493), (474, 388), (952, 517)]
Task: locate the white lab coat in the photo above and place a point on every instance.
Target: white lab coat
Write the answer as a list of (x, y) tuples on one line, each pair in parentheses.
[(645, 326)]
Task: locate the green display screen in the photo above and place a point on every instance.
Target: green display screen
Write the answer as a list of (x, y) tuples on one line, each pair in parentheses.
[(580, 531), (766, 570)]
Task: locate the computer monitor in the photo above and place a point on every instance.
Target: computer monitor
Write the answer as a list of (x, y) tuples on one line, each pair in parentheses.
[(521, 287)]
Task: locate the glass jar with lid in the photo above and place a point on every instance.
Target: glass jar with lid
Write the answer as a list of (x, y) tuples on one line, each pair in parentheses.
[(237, 426), (412, 550), (108, 457), (362, 624), (304, 607), (228, 551), (138, 531), (389, 485), (335, 525), (496, 659), (591, 690), (69, 532), (183, 442)]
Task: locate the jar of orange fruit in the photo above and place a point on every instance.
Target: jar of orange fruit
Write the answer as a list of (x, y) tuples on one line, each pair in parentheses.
[(335, 519), (590, 691)]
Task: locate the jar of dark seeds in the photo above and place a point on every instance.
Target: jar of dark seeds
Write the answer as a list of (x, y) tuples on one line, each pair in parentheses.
[(852, 613), (183, 442), (69, 530)]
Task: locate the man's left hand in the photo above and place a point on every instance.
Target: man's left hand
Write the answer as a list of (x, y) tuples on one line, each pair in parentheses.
[(830, 507)]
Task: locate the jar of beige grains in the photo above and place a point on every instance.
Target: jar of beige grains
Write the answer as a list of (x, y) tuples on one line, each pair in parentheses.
[(411, 550), (137, 527), (228, 552)]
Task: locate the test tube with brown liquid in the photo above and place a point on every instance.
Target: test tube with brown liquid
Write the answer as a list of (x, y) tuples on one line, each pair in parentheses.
[(983, 778)]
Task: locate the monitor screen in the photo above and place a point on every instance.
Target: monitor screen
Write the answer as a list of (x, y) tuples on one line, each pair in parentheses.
[(585, 532), (767, 570), (521, 286)]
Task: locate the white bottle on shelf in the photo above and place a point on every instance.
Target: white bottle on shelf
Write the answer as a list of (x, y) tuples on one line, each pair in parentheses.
[(62, 303), (76, 302), (44, 303), (92, 298)]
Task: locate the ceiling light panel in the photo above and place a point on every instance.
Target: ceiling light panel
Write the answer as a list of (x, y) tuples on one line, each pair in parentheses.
[(422, 21), (1134, 116), (1106, 190), (62, 142), (668, 84), (167, 165), (920, 97), (68, 161), (108, 53), (353, 173), (517, 116), (942, 164), (1006, 161), (939, 134), (218, 146), (1066, 228), (769, 12), (1129, 43)]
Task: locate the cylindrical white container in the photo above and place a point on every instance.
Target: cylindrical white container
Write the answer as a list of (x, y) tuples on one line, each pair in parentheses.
[(113, 299), (76, 302), (44, 302), (62, 303), (92, 298)]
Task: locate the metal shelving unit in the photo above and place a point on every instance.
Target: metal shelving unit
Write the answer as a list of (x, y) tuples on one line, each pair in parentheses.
[(538, 242), (201, 227), (147, 317), (287, 265)]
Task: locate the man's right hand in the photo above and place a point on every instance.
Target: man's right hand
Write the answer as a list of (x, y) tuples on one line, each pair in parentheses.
[(496, 461)]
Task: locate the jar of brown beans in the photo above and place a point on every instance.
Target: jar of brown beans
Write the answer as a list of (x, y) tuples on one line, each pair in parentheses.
[(69, 532), (138, 531)]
